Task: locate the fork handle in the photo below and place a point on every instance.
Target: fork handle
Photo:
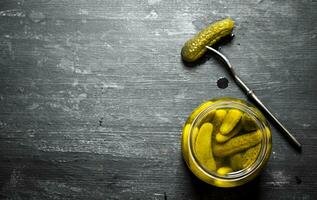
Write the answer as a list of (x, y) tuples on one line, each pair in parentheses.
[(255, 99), (252, 96)]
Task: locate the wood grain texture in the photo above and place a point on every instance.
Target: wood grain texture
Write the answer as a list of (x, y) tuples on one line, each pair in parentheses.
[(93, 95)]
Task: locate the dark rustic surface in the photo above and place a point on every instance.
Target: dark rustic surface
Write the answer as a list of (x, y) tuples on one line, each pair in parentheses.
[(93, 95)]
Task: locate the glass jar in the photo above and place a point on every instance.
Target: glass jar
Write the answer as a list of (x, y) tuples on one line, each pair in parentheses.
[(226, 142)]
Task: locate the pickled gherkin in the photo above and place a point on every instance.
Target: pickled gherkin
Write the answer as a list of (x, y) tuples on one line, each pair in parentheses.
[(194, 48), (243, 160), (236, 161), (250, 155), (202, 146), (224, 170), (230, 121), (237, 144), (248, 123), (219, 115), (223, 138)]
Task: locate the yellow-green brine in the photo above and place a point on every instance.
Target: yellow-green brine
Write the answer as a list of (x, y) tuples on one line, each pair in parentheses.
[(226, 142)]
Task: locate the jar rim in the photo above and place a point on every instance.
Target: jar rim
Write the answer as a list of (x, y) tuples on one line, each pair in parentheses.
[(262, 124)]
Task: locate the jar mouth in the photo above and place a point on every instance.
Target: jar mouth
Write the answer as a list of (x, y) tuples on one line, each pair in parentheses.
[(261, 124)]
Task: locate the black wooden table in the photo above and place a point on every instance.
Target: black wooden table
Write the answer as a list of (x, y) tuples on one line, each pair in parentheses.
[(93, 95)]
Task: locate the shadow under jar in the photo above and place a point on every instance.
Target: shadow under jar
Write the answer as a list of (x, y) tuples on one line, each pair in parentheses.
[(226, 142)]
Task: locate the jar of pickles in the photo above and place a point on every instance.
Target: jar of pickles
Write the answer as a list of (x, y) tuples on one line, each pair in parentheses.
[(226, 142)]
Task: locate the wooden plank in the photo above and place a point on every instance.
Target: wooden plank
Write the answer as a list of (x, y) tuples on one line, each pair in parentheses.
[(93, 96)]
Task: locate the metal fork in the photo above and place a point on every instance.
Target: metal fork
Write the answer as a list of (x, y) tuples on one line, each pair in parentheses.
[(253, 97)]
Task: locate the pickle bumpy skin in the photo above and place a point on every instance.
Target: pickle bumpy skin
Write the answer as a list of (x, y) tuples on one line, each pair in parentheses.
[(248, 123), (237, 144), (223, 138), (251, 155), (203, 147), (195, 47), (243, 160), (230, 121), (236, 161), (218, 118)]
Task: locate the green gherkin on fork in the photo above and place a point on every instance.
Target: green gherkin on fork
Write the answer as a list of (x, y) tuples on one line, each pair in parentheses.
[(195, 47)]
